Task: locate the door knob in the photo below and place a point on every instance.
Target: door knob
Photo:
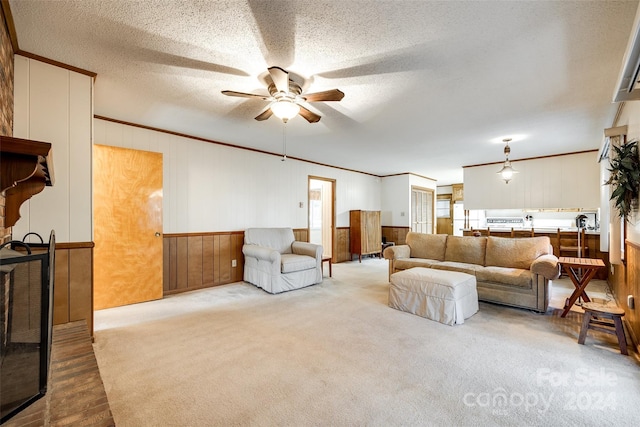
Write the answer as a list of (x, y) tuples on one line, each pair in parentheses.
[(157, 234)]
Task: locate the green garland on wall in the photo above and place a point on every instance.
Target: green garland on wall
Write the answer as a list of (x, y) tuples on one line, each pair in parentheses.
[(625, 178)]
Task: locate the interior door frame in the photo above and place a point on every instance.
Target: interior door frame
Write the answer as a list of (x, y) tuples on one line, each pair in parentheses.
[(333, 210), (434, 223), (448, 197)]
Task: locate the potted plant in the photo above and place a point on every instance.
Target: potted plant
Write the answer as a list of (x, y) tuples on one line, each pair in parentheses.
[(625, 178)]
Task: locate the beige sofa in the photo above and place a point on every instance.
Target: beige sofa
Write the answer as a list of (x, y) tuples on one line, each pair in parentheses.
[(513, 272)]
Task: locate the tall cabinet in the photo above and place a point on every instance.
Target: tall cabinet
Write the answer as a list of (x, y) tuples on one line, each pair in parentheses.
[(365, 233)]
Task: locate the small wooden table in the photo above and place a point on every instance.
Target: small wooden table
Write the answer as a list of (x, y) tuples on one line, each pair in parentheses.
[(328, 260), (589, 267), (594, 315)]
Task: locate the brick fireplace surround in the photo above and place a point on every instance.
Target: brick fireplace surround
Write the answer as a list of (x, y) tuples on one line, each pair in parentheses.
[(6, 102)]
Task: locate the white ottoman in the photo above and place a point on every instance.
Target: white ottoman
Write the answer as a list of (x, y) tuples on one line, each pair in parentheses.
[(448, 297)]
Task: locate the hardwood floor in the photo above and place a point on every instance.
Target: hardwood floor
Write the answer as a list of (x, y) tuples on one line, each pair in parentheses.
[(75, 394)]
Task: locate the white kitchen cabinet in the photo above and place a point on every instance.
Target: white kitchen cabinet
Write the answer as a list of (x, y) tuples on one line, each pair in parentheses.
[(568, 181), (552, 176)]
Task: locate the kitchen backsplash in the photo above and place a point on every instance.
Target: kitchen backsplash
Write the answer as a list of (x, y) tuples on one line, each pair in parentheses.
[(545, 219)]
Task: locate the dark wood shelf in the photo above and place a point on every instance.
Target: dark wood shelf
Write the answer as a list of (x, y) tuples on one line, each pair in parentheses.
[(26, 167)]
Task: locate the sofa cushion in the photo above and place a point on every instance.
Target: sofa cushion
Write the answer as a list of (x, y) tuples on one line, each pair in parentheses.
[(457, 266), (428, 246), (467, 249), (407, 263), (293, 262), (515, 253), (508, 276)]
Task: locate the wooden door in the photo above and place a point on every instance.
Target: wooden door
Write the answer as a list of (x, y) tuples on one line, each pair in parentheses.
[(444, 214), (127, 212)]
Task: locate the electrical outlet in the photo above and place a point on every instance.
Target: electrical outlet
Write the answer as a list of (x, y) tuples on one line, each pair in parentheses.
[(631, 301), (234, 263), (401, 213)]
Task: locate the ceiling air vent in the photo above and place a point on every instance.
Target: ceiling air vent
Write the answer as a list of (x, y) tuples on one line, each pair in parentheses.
[(628, 87)]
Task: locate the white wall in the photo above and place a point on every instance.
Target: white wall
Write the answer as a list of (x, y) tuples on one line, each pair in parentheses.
[(568, 181), (55, 105), (211, 187), (396, 198), (445, 189), (631, 117)]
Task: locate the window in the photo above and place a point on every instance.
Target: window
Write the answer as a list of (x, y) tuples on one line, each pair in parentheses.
[(443, 208)]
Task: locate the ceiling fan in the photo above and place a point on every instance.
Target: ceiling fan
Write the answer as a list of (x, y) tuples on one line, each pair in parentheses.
[(285, 97)]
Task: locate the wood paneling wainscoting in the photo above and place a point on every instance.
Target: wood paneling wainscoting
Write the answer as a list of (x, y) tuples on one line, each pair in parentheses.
[(201, 260), (342, 245), (301, 234), (626, 281), (397, 235), (73, 288)]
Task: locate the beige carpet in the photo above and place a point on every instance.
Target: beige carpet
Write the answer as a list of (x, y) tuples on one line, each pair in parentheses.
[(336, 354)]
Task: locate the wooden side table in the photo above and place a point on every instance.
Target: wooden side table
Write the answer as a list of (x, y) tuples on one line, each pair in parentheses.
[(327, 259), (571, 265)]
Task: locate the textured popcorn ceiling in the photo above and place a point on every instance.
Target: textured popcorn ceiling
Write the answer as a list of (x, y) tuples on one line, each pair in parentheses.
[(429, 86)]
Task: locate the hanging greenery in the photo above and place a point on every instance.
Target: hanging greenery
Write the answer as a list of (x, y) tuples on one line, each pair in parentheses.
[(625, 178)]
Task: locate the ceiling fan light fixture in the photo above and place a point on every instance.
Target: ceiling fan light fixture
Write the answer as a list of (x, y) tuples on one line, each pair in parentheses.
[(507, 171), (285, 109)]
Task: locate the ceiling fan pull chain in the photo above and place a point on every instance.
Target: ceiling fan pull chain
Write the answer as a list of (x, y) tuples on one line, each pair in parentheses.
[(284, 142)]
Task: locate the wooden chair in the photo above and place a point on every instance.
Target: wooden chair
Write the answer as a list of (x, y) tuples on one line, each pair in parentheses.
[(482, 232), (572, 243), (521, 232)]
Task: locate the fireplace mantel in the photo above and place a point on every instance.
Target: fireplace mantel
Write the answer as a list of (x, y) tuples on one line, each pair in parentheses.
[(26, 167)]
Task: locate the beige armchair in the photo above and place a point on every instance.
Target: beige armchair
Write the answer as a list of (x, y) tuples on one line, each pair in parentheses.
[(275, 262)]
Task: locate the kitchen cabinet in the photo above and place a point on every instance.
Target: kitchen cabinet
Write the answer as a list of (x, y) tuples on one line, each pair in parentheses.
[(457, 193), (365, 233), (569, 181)]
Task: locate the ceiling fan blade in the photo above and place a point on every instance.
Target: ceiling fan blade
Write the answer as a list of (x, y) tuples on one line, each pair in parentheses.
[(280, 78), (310, 116), (245, 95), (327, 95), (264, 115)]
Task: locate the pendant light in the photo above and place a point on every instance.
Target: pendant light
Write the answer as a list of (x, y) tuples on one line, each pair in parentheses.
[(507, 171)]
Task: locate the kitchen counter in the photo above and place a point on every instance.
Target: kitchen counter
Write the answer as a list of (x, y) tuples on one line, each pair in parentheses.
[(541, 230)]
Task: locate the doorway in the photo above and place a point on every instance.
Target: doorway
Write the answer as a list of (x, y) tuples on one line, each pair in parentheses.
[(444, 214), (322, 213)]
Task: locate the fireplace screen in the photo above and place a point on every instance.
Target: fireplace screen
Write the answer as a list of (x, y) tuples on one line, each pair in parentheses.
[(26, 293)]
